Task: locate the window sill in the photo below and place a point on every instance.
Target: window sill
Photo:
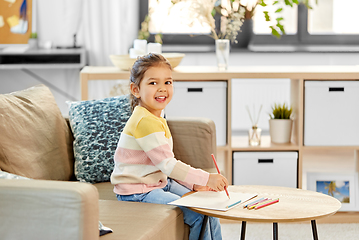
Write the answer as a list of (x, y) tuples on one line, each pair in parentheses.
[(193, 48), (304, 48)]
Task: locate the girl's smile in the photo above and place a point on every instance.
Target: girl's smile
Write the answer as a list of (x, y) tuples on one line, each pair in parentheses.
[(155, 90)]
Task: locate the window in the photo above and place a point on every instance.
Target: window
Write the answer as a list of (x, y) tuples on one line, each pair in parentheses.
[(334, 17), (330, 22)]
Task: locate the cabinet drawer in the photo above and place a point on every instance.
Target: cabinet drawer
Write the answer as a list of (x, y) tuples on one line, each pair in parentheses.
[(265, 168), (201, 99), (331, 113)]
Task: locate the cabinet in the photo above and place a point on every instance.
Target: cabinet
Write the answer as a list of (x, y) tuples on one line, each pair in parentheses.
[(265, 168), (190, 98), (297, 75), (330, 116)]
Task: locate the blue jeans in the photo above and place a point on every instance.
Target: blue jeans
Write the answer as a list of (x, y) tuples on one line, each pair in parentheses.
[(173, 191)]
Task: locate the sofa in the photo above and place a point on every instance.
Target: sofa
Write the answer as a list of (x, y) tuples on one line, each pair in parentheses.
[(54, 170)]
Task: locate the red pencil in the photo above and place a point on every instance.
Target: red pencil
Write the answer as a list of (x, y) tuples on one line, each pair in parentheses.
[(267, 203), (215, 163)]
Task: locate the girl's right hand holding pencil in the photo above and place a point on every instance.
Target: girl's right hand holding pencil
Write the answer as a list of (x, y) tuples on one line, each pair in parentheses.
[(217, 182)]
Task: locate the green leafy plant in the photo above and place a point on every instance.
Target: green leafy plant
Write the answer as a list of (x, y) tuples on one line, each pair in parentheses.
[(33, 35), (277, 28), (281, 111)]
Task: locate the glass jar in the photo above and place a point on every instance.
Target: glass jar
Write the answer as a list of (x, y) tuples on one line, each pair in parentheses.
[(222, 53), (254, 136)]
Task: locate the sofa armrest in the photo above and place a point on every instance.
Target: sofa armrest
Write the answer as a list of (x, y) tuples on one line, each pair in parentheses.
[(42, 209), (194, 140)]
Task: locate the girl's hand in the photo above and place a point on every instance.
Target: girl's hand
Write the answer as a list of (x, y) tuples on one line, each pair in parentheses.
[(217, 182), (201, 188)]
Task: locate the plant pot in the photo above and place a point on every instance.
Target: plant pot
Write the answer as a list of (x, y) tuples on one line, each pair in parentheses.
[(280, 130), (33, 44)]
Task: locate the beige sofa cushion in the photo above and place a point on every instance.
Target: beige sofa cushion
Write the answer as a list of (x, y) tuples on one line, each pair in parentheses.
[(142, 221), (34, 139)]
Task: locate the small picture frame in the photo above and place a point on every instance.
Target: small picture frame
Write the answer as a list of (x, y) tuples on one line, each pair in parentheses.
[(340, 186)]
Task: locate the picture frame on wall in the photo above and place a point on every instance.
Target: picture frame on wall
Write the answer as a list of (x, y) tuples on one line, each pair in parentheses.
[(343, 187)]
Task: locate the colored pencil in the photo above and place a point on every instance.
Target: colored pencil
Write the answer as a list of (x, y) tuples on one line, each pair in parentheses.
[(254, 202), (267, 203), (231, 205), (215, 163), (260, 202)]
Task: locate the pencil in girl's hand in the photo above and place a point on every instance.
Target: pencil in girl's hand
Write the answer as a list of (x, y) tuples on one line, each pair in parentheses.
[(215, 163)]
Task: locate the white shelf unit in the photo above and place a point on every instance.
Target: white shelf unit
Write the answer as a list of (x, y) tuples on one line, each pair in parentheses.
[(297, 75)]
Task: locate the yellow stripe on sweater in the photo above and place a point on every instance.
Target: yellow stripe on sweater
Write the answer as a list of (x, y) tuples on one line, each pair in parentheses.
[(144, 123)]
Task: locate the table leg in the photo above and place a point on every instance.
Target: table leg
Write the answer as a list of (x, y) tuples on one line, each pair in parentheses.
[(275, 231), (243, 230), (314, 230), (204, 224)]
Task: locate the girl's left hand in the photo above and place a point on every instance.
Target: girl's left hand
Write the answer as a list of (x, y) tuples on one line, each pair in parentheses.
[(198, 188)]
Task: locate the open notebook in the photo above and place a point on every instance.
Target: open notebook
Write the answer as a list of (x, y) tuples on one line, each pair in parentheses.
[(213, 200)]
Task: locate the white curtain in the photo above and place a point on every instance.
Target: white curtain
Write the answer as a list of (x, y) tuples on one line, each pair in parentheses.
[(108, 27), (103, 27)]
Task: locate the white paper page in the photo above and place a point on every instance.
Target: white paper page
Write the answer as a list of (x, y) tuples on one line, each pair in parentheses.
[(213, 200)]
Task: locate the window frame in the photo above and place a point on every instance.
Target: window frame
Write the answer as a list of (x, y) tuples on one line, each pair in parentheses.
[(301, 38)]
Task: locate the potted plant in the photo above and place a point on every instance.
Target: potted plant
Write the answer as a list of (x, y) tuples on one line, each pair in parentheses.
[(280, 123), (33, 41)]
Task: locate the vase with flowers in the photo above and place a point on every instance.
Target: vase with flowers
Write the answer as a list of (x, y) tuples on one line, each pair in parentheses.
[(206, 11), (235, 14), (227, 19)]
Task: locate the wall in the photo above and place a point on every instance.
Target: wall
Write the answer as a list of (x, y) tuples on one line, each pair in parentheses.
[(99, 33)]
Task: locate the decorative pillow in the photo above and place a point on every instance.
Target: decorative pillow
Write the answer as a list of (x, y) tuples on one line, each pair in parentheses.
[(6, 175), (97, 126), (35, 140)]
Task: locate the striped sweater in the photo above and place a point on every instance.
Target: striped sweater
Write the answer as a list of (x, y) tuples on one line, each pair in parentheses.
[(144, 157)]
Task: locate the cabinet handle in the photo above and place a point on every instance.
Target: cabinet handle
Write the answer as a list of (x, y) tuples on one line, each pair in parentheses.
[(265, 160), (194, 89), (336, 89)]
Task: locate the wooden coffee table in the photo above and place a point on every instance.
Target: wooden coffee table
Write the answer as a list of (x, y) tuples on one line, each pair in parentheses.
[(295, 205)]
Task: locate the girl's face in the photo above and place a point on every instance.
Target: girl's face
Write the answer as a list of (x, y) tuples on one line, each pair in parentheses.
[(155, 90)]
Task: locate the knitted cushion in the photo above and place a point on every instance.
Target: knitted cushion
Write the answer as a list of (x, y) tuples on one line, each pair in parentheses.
[(97, 126), (6, 175)]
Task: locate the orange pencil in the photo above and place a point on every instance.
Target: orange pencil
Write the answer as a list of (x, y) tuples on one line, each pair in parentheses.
[(215, 163)]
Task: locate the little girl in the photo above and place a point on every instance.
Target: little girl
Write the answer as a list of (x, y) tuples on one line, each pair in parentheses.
[(145, 167)]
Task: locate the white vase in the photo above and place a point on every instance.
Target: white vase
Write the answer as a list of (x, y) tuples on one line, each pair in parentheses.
[(222, 53), (280, 130)]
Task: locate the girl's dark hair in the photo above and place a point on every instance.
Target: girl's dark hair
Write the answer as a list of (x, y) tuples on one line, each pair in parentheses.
[(139, 68)]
